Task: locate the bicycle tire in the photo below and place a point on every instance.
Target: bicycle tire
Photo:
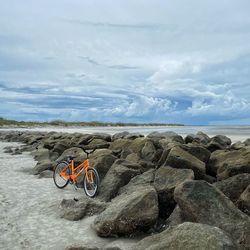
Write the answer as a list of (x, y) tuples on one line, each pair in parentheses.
[(95, 185), (57, 169)]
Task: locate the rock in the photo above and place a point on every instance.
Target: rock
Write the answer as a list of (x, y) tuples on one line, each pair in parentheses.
[(189, 138), (76, 152), (234, 186), (188, 236), (42, 166), (120, 144), (95, 142), (244, 201), (148, 151), (198, 151), (219, 142), (224, 163), (102, 160), (145, 179), (247, 142), (133, 158), (137, 144), (83, 139), (122, 217), (203, 203), (201, 137), (120, 135), (61, 146), (179, 158), (102, 136), (237, 145), (176, 218), (77, 209), (118, 175), (167, 135), (41, 154), (77, 247), (46, 174), (166, 179), (133, 136)]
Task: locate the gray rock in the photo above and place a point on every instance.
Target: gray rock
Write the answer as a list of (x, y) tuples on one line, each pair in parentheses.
[(102, 160), (237, 145), (118, 175), (42, 166), (76, 152), (133, 136), (199, 151), (179, 158), (120, 135), (148, 151), (166, 179), (167, 135), (218, 142), (46, 174), (145, 179), (74, 209), (203, 203), (189, 138), (244, 201), (128, 213), (201, 137), (234, 186), (224, 163), (188, 236)]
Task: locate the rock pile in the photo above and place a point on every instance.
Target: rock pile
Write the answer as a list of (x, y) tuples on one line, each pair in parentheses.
[(190, 193)]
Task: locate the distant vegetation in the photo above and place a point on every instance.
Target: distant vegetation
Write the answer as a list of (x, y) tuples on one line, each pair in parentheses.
[(13, 123)]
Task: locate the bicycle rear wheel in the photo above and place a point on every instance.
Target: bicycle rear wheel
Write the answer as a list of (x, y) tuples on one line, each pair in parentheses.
[(59, 180), (91, 182)]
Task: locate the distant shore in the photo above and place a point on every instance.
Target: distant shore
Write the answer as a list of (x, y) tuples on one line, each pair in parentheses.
[(6, 123)]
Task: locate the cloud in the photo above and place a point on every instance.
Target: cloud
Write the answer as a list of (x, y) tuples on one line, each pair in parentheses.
[(125, 61)]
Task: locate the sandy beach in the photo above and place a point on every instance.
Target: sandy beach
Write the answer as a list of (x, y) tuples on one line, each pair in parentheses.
[(29, 210)]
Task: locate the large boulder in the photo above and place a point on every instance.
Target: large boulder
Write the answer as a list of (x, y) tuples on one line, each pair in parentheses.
[(219, 142), (118, 175), (201, 137), (128, 213), (203, 203), (188, 236), (244, 201), (234, 186), (77, 209), (42, 166), (166, 179), (172, 136), (102, 160), (224, 163), (78, 153), (119, 135), (145, 179), (148, 151), (179, 158), (199, 151)]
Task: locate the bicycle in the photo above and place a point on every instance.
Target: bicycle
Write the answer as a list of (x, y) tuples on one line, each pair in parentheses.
[(65, 172)]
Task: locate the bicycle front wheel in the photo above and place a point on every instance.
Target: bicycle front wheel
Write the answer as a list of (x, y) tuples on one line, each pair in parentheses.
[(91, 182), (60, 179)]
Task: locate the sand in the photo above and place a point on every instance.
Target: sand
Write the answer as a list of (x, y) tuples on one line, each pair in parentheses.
[(29, 210)]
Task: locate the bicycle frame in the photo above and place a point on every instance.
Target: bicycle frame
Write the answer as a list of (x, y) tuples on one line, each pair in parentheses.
[(85, 165)]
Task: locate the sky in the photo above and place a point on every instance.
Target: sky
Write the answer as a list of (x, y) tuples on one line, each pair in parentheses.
[(126, 61)]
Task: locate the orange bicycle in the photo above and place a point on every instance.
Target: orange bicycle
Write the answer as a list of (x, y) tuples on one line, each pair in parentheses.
[(66, 172)]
